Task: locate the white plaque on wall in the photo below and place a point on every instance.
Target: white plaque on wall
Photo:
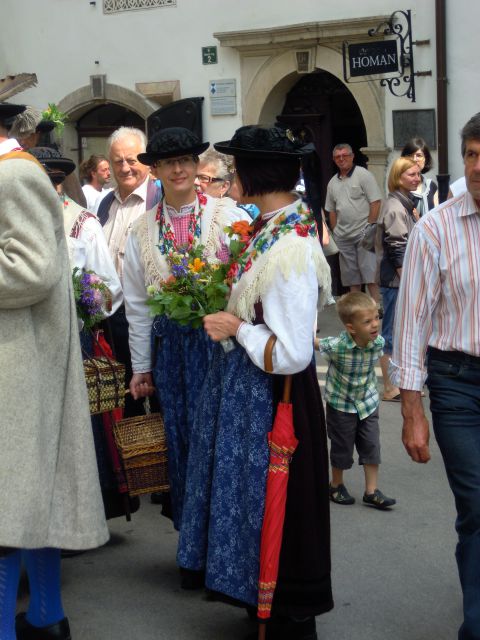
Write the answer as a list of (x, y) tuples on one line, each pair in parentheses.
[(223, 97)]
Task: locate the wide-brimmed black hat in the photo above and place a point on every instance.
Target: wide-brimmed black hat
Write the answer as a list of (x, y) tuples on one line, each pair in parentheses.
[(8, 112), (45, 126), (171, 143), (253, 141), (52, 160)]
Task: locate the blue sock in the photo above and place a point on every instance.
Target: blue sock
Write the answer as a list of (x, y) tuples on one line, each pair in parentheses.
[(43, 570), (9, 577)]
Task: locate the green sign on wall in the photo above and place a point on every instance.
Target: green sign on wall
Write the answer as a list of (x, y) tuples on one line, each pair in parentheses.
[(209, 55)]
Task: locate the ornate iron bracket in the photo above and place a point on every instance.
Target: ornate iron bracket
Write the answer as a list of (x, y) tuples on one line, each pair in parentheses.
[(400, 24)]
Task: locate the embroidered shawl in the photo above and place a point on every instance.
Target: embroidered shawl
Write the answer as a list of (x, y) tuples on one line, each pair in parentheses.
[(285, 251), (146, 230)]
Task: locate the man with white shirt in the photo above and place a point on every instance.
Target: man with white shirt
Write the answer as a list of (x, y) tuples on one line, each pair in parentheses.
[(96, 173), (437, 340), (135, 193)]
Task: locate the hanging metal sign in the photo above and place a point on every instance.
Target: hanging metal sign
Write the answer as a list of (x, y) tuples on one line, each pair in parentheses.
[(390, 58), (372, 58)]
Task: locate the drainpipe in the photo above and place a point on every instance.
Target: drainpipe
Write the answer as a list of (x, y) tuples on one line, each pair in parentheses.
[(443, 177)]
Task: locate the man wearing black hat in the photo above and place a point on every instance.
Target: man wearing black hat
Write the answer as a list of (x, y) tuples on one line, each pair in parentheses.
[(48, 474), (183, 217)]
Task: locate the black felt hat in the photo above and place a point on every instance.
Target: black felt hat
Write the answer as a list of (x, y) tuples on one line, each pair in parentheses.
[(253, 141), (45, 126), (52, 160), (171, 143), (9, 111)]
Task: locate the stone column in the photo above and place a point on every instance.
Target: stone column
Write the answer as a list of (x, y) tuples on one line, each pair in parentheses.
[(377, 164)]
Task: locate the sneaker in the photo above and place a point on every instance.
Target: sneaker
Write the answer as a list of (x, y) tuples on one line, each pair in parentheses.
[(340, 495), (378, 500)]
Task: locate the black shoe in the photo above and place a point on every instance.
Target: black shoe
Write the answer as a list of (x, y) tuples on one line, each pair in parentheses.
[(340, 495), (282, 628), (156, 497), (191, 580), (25, 631), (378, 500)]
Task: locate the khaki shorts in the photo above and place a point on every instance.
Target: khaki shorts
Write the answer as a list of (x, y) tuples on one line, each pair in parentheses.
[(357, 265)]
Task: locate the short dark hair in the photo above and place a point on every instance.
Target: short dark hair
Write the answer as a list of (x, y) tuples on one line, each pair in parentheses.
[(259, 176), (471, 131), (418, 144)]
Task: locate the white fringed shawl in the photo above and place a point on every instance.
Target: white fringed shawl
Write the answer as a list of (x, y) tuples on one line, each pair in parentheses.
[(290, 254), (146, 230)]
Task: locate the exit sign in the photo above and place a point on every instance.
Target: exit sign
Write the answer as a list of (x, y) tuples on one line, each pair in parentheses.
[(209, 55)]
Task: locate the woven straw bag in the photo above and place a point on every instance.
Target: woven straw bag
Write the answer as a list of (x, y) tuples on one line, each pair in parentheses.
[(143, 451)]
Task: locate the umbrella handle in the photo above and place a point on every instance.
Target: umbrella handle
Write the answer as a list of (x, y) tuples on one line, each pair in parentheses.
[(268, 365), (262, 630), (287, 389), (268, 353)]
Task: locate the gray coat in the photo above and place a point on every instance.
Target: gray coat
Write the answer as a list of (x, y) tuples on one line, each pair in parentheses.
[(50, 494)]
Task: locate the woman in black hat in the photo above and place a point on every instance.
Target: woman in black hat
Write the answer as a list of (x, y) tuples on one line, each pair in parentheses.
[(274, 292), (188, 218)]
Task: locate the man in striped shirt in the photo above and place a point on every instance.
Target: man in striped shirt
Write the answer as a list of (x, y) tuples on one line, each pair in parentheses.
[(437, 340)]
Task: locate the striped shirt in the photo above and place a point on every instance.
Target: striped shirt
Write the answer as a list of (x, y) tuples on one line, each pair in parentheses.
[(351, 384), (438, 302)]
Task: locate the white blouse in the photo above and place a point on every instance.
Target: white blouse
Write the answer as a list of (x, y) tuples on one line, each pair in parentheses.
[(289, 310), (90, 252)]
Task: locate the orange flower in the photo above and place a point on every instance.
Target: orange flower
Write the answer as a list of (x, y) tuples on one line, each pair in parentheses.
[(197, 265), (241, 228)]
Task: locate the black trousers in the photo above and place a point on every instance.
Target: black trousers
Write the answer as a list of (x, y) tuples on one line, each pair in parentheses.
[(116, 332)]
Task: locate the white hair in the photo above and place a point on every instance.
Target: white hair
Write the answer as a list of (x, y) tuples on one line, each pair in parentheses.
[(125, 132), (25, 123), (219, 160)]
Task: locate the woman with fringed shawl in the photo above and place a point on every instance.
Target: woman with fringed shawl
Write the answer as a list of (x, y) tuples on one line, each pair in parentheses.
[(172, 356), (274, 290)]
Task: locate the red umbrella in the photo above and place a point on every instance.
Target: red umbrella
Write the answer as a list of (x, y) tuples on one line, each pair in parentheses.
[(282, 444)]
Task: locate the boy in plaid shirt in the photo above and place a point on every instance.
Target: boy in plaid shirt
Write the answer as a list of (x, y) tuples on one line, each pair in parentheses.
[(352, 397)]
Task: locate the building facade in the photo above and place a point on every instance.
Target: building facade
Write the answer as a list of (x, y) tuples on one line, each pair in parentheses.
[(113, 62)]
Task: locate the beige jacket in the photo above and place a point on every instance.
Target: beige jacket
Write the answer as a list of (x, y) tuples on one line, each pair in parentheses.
[(50, 494)]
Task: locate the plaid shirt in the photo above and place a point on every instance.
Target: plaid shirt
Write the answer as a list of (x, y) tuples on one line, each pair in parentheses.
[(351, 384)]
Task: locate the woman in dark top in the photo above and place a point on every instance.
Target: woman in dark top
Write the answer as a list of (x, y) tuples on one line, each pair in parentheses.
[(426, 195)]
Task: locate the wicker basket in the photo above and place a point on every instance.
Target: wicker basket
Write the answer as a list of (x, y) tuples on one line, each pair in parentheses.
[(105, 380), (143, 451)]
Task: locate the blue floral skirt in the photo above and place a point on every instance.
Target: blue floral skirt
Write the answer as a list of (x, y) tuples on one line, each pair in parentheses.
[(226, 480), (227, 470), (181, 357)]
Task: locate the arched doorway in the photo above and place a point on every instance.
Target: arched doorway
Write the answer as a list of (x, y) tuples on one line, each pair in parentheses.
[(321, 109), (95, 126), (119, 103)]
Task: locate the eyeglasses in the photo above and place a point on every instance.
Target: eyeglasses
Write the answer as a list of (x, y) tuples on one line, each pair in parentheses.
[(208, 179), (418, 155), (342, 156)]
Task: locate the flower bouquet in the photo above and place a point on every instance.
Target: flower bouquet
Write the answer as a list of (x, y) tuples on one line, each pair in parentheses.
[(92, 297), (196, 287)]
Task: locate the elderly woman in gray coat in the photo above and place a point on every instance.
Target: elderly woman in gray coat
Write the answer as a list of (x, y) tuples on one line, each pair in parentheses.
[(50, 495)]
